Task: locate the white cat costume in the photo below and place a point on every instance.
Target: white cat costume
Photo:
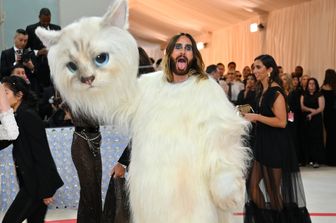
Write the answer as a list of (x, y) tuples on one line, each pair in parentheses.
[(188, 162)]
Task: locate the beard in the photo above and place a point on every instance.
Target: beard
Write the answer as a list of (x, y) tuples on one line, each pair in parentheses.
[(180, 66)]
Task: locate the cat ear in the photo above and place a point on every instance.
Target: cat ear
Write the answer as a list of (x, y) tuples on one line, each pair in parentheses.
[(117, 15), (48, 37)]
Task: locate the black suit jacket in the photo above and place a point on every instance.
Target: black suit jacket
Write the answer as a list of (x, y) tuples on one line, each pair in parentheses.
[(34, 42), (7, 64), (126, 155), (32, 156)]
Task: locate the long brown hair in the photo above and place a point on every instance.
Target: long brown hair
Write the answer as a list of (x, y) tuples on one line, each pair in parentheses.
[(197, 64), (330, 78)]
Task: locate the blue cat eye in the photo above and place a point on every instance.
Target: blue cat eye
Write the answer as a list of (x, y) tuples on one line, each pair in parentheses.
[(102, 59), (72, 67)]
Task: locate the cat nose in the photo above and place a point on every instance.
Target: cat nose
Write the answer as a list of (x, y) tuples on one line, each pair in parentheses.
[(87, 80)]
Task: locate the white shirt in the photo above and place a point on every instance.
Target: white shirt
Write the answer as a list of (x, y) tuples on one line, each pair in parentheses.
[(236, 87), (8, 127)]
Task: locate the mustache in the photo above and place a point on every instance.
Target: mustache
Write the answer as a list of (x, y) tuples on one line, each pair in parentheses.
[(184, 58)]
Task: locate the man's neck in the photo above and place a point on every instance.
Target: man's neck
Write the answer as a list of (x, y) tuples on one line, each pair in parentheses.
[(180, 78)]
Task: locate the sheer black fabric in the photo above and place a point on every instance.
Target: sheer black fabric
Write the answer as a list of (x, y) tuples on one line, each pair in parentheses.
[(116, 208), (329, 118), (85, 151), (274, 188)]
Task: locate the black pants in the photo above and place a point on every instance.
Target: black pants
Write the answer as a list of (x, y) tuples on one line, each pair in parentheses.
[(24, 207), (88, 163)]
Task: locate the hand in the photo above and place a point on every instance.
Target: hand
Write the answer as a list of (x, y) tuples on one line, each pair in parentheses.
[(4, 104), (48, 200), (18, 58), (309, 117), (29, 64), (42, 52), (118, 171), (251, 117)]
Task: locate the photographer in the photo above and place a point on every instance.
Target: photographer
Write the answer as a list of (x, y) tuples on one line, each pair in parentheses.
[(19, 55), (61, 113)]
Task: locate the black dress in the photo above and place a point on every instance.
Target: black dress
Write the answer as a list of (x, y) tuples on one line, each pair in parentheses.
[(329, 116), (313, 130), (274, 188), (249, 98), (293, 100), (85, 151)]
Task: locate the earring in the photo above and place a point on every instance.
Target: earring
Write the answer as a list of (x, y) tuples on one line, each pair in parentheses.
[(269, 74)]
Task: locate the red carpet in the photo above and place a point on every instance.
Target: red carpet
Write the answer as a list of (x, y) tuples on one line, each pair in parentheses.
[(311, 214), (62, 221)]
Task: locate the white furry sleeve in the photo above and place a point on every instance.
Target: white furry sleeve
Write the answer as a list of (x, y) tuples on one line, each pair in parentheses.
[(227, 157), (8, 128)]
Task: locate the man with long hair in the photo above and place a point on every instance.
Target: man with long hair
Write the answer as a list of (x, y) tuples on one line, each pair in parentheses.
[(183, 59), (187, 136)]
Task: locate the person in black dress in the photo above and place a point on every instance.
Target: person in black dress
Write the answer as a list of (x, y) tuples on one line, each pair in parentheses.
[(248, 96), (36, 171), (329, 115), (312, 105), (293, 101), (274, 188), (85, 152)]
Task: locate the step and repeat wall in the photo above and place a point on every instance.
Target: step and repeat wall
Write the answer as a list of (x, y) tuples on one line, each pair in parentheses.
[(113, 144)]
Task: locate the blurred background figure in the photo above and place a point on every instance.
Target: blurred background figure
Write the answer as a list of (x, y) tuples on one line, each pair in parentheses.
[(312, 105), (158, 65), (145, 63), (329, 115), (246, 71), (41, 52)]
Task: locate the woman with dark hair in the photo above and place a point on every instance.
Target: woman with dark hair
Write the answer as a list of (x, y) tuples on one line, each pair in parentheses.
[(328, 90), (312, 106), (36, 171), (274, 187), (248, 95)]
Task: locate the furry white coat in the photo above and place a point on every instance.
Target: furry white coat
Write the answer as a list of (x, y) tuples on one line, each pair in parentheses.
[(187, 161)]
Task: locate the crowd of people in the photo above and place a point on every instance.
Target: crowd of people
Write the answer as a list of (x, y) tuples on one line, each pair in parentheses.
[(311, 107), (292, 109)]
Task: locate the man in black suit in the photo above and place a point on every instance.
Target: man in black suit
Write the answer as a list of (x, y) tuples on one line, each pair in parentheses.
[(19, 55), (43, 71)]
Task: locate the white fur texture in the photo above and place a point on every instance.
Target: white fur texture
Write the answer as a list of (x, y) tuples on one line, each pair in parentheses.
[(188, 162)]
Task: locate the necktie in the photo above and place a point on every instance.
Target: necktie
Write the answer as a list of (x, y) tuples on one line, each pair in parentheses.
[(230, 91), (19, 51)]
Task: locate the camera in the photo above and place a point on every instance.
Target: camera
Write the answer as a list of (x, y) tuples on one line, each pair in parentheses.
[(26, 55), (56, 101)]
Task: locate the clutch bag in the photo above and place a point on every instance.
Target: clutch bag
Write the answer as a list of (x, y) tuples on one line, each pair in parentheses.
[(246, 108)]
